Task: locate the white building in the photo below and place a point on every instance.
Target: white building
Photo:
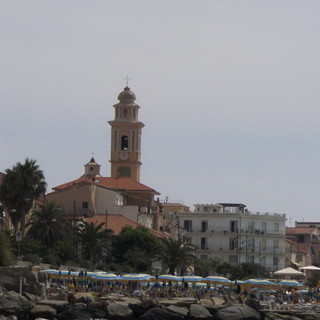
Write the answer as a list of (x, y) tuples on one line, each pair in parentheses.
[(229, 232)]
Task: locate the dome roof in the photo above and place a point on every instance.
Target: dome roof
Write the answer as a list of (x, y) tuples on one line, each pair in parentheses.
[(126, 95)]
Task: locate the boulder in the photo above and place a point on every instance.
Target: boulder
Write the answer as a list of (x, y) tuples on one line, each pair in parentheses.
[(12, 303), (119, 311), (59, 297), (81, 313), (10, 279), (237, 312), (180, 310), (199, 312), (254, 304), (143, 305), (83, 297), (159, 313), (56, 304), (42, 311)]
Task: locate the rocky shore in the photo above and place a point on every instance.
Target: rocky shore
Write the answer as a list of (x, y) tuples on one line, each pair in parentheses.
[(32, 304)]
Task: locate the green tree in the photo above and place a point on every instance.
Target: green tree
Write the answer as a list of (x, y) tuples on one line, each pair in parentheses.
[(205, 267), (48, 225), (136, 248), (20, 186), (176, 254), (93, 238), (6, 256)]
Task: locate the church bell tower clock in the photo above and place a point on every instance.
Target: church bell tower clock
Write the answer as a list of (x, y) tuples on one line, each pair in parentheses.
[(126, 137)]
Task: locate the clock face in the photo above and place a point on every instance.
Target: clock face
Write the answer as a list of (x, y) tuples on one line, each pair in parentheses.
[(124, 155)]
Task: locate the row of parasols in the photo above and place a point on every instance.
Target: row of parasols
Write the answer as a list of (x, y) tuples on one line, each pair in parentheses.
[(141, 277)]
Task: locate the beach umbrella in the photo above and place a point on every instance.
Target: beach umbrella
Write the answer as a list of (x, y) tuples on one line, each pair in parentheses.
[(136, 277), (258, 282), (169, 277), (217, 279), (192, 278), (105, 276), (289, 283)]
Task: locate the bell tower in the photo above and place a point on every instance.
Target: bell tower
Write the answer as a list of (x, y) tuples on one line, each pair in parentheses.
[(126, 137)]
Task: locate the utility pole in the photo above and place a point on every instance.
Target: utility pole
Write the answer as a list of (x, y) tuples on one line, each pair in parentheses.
[(74, 230)]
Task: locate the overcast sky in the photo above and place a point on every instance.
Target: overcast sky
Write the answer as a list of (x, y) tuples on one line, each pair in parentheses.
[(229, 93)]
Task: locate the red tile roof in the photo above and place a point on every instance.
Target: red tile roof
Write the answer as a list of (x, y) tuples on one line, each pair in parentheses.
[(300, 230), (115, 222), (121, 183)]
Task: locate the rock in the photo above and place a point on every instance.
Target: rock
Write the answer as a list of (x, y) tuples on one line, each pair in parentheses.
[(159, 313), (144, 305), (56, 304), (186, 302), (217, 301), (237, 312), (119, 311), (83, 297), (12, 303), (43, 311), (10, 279), (2, 317), (59, 297), (81, 313), (254, 304), (180, 310), (199, 312)]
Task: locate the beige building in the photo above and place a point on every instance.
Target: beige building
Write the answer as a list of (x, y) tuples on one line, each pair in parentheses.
[(122, 194), (126, 137)]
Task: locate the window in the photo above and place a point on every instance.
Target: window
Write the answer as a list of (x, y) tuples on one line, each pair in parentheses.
[(263, 244), (85, 205), (233, 244), (234, 226), (276, 226), (275, 261), (264, 227), (188, 225), (251, 226), (124, 143), (276, 243), (203, 244), (204, 226), (187, 239)]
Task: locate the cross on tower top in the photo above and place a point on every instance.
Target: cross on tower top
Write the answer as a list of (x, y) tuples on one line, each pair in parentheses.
[(127, 79)]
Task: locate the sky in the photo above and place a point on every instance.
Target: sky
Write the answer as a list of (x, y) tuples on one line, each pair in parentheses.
[(229, 94)]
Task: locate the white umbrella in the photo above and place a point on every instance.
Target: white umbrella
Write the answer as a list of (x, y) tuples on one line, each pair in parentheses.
[(310, 268), (288, 272)]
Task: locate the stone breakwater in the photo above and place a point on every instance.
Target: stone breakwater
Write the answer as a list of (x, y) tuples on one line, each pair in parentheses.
[(83, 306)]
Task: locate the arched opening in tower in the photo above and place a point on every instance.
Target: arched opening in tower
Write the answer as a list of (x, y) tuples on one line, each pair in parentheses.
[(124, 143)]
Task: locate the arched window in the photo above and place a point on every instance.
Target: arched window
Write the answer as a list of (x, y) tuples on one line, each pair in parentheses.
[(124, 143)]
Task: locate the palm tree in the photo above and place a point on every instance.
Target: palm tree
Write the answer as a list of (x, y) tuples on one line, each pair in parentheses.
[(93, 238), (48, 225), (176, 254), (20, 187)]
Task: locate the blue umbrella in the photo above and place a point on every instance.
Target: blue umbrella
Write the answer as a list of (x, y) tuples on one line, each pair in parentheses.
[(136, 277), (105, 276), (170, 277), (217, 279), (289, 283), (260, 282), (192, 278)]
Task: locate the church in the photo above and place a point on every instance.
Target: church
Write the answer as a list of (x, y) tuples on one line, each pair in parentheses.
[(120, 199)]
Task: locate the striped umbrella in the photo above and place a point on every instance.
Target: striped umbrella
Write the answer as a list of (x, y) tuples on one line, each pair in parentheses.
[(259, 282), (105, 276), (289, 283), (136, 277), (60, 272), (169, 277), (192, 278), (216, 279)]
